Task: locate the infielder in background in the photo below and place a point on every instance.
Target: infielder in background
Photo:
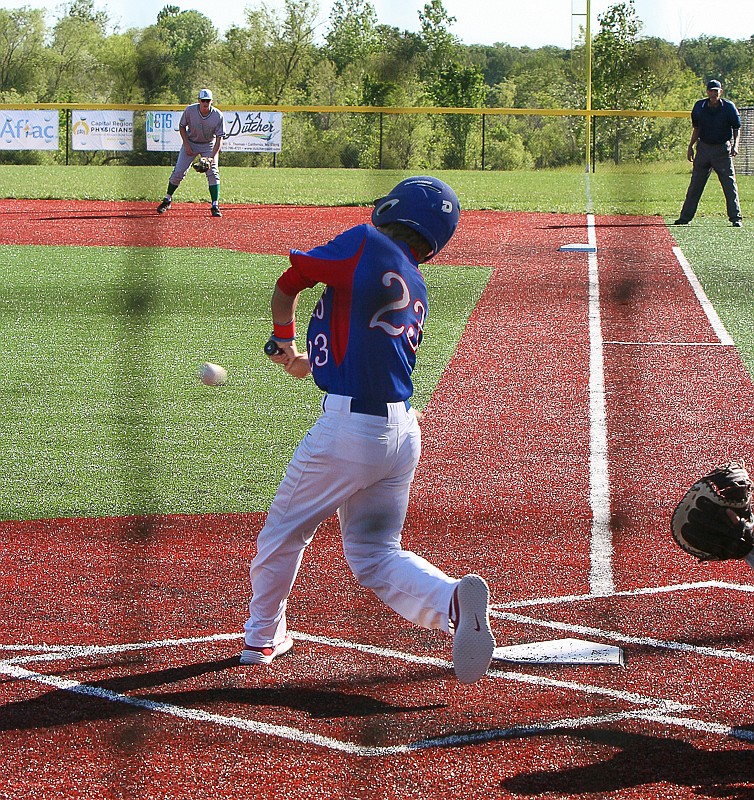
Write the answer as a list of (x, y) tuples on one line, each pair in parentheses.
[(202, 129), (716, 127), (360, 456)]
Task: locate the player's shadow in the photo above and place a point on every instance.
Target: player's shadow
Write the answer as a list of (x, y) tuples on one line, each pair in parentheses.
[(638, 222), (64, 707), (68, 215), (643, 761)]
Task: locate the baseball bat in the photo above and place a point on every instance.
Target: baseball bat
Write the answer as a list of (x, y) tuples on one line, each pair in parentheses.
[(271, 348)]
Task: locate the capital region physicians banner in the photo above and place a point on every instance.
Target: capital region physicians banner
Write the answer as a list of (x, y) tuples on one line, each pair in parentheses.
[(245, 131), (102, 130), (29, 130)]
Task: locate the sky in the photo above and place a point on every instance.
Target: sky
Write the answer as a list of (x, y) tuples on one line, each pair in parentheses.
[(517, 23)]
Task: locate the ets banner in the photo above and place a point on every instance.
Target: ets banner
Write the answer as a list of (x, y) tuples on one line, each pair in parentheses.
[(162, 131)]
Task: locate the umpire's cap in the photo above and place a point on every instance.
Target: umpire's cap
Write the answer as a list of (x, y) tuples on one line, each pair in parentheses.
[(426, 204)]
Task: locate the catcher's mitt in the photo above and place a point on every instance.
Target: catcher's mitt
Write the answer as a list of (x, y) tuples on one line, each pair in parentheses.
[(202, 164), (714, 520)]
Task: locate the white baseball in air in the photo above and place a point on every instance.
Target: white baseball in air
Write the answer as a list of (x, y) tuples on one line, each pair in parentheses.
[(212, 374)]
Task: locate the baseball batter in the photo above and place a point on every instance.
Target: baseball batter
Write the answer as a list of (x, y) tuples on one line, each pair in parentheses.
[(202, 128), (360, 456)]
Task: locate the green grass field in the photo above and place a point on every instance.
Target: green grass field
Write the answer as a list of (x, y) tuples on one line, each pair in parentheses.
[(103, 414), (647, 189)]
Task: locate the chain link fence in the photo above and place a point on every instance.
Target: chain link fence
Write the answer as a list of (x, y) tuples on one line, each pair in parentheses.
[(424, 139)]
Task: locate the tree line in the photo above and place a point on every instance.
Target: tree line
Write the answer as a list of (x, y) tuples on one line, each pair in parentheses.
[(281, 58)]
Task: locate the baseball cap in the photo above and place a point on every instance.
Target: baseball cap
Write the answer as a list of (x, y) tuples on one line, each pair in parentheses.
[(205, 94), (710, 85)]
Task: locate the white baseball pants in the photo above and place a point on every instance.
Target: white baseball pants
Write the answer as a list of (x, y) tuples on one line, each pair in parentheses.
[(184, 161), (360, 466)]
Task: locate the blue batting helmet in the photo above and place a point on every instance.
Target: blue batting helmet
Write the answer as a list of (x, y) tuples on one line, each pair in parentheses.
[(426, 204)]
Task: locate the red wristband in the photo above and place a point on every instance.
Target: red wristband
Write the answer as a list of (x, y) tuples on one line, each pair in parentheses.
[(284, 332)]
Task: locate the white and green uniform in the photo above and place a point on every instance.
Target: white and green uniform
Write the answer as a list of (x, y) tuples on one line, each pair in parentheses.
[(202, 132)]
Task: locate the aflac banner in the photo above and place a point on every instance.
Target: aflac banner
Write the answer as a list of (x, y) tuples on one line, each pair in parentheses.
[(29, 130), (162, 131), (102, 130), (245, 131), (253, 131)]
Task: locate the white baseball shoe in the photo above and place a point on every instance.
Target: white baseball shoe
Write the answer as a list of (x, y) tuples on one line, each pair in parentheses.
[(473, 642), (265, 655)]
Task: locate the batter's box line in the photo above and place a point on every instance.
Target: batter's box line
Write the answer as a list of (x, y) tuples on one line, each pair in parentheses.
[(289, 733), (576, 598), (14, 666), (615, 636), (653, 708)]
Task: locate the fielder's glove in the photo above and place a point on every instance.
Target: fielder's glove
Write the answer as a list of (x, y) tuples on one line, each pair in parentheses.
[(702, 524), (202, 164)]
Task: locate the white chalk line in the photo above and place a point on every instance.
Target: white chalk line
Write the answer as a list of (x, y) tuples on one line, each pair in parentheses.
[(714, 320), (616, 636), (667, 344), (295, 734), (601, 580), (646, 590), (657, 709)]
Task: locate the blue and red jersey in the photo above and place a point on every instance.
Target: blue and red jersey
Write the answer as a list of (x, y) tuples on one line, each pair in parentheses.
[(365, 330)]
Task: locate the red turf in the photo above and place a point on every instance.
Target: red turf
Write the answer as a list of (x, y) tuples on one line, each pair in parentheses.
[(502, 488)]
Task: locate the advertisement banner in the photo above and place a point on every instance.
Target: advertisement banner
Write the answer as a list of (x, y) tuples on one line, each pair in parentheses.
[(245, 131), (162, 131), (102, 130), (29, 130), (253, 131)]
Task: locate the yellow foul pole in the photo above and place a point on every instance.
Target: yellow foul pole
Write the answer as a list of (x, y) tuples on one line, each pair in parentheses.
[(588, 45)]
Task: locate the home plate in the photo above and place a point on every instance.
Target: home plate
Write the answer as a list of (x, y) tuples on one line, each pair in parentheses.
[(561, 651), (578, 248)]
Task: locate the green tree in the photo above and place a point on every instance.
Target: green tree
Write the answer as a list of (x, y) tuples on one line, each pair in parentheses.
[(441, 45), (22, 53), (174, 55), (74, 71), (458, 86), (616, 80), (352, 34), (730, 62), (118, 56), (272, 55), (450, 80)]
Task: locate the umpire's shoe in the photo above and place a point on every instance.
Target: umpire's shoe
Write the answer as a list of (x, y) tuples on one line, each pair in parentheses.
[(164, 205), (216, 210), (473, 642)]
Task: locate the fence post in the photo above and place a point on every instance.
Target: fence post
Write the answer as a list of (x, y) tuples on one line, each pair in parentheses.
[(381, 114), (67, 136), (484, 127)]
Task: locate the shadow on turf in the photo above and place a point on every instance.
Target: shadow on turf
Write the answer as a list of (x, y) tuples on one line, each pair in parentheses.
[(61, 707), (640, 222), (643, 760), (74, 215)]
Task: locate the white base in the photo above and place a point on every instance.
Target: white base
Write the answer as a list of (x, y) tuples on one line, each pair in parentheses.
[(561, 651), (578, 248)]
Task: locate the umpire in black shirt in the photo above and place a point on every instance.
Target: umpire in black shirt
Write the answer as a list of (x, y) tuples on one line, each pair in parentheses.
[(717, 126)]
